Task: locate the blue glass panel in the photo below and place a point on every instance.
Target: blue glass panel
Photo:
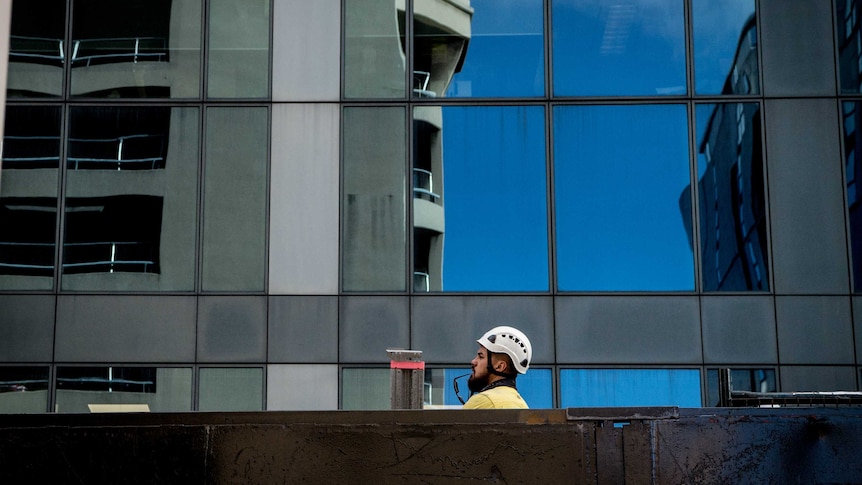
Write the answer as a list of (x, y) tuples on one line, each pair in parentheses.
[(627, 48), (482, 223), (630, 387), (620, 218), (725, 47), (495, 52), (731, 197)]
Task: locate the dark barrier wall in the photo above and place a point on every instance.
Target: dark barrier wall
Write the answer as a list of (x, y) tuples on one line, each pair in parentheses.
[(592, 446)]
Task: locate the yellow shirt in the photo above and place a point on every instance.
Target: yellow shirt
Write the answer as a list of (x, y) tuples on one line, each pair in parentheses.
[(503, 397)]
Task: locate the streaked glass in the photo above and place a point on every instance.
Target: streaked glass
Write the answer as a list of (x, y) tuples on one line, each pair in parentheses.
[(630, 387), (374, 59), (238, 56), (28, 197), (148, 48), (480, 199), (731, 199), (235, 199), (131, 199), (154, 389), (725, 47), (621, 48), (374, 205), (23, 389), (230, 389), (478, 48), (37, 50), (621, 177)]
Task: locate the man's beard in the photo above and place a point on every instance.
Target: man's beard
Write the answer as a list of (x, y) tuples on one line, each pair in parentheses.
[(476, 384)]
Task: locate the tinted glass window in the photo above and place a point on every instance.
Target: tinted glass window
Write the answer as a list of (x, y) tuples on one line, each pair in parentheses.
[(625, 48), (374, 49), (238, 57), (630, 387), (230, 389), (852, 113), (131, 203), (494, 48), (751, 380), (28, 197), (480, 218), (36, 48), (23, 390), (90, 389), (365, 389), (621, 176), (148, 48), (374, 185), (849, 36), (731, 199), (725, 47)]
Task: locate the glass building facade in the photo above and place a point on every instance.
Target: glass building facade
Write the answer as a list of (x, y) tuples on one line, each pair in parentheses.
[(240, 205)]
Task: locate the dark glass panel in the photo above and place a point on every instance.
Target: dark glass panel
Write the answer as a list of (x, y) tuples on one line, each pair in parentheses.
[(37, 48), (731, 198), (849, 37), (852, 112)]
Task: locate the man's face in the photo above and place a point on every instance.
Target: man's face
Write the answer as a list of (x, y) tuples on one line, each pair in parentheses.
[(479, 379)]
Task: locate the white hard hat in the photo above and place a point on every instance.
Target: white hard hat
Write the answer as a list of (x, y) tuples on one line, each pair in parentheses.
[(509, 341)]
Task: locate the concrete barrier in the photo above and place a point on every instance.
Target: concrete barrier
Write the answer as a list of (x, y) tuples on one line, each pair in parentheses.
[(582, 445)]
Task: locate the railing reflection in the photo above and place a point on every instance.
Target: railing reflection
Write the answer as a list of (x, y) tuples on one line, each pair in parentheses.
[(122, 152), (88, 52), (423, 185), (94, 257), (420, 84)]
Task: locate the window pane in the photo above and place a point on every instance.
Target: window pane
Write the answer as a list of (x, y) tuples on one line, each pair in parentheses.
[(366, 389), (374, 206), (28, 197), (536, 387), (159, 389), (230, 389), (36, 48), (751, 380), (852, 113), (488, 181), (598, 46), (235, 197), (131, 199), (494, 48), (849, 37), (731, 197), (23, 390), (149, 48), (621, 218), (629, 387), (238, 60), (374, 61), (725, 47)]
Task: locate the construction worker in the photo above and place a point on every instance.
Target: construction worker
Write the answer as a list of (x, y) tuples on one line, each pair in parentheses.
[(504, 352)]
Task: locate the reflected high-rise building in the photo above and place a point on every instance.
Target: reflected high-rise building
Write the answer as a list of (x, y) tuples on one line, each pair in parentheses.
[(731, 182)]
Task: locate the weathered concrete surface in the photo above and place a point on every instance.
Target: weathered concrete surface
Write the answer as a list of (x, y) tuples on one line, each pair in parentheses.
[(593, 446)]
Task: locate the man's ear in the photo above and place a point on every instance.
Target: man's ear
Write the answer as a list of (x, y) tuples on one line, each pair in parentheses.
[(501, 365)]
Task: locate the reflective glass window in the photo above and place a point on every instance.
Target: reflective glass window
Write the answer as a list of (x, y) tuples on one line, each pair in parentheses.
[(622, 48), (725, 47), (365, 389), (230, 389), (238, 57), (23, 390), (135, 48), (493, 48), (36, 49), (849, 37), (131, 198), (852, 121), (731, 199), (621, 180), (630, 387), (235, 198), (536, 387), (374, 59), (28, 197), (480, 199), (751, 380), (114, 389), (374, 185)]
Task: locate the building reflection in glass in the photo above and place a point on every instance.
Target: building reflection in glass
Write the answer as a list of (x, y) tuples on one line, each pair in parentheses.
[(852, 112), (721, 47), (160, 389), (37, 50), (849, 37)]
